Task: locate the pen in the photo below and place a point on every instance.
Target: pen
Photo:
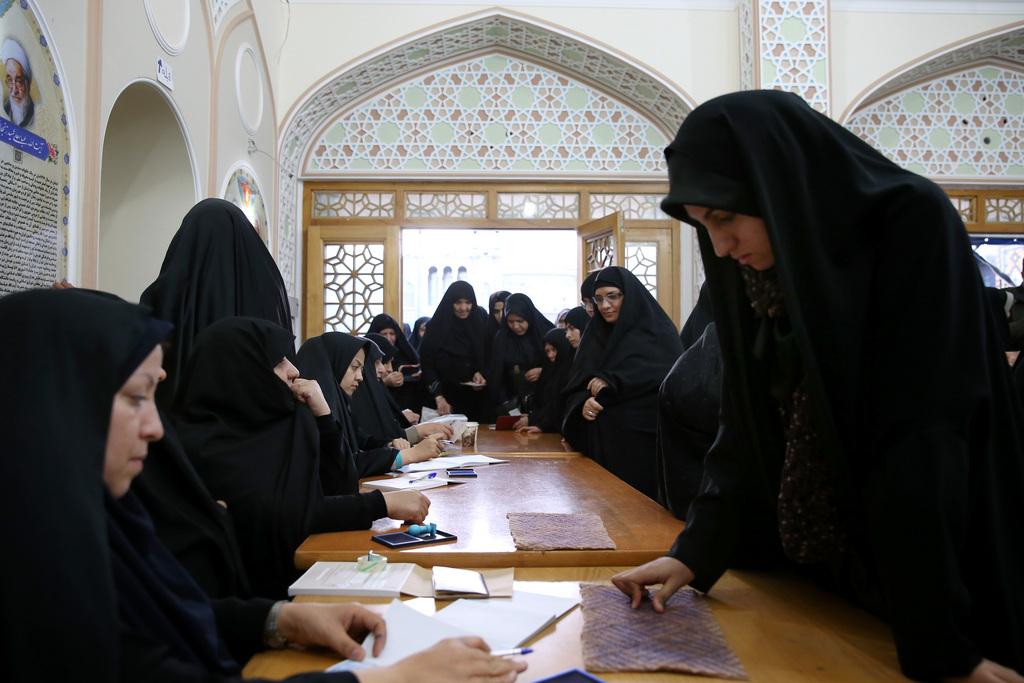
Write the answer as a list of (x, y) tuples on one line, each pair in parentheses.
[(512, 651)]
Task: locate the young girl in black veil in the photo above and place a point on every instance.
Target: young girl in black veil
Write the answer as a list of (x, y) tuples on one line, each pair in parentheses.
[(517, 354), (612, 393), (453, 354), (122, 608), (256, 433), (891, 467), (546, 409)]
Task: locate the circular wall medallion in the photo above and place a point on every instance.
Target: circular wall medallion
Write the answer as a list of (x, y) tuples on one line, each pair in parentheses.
[(170, 21), (249, 88)]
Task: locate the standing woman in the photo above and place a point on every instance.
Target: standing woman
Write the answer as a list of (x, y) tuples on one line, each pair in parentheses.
[(405, 381), (418, 330), (517, 354), (612, 402), (453, 353), (846, 445), (546, 409), (576, 321)]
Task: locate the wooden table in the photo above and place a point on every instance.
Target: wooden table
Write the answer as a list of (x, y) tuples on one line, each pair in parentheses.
[(475, 512), (784, 630), (490, 441)]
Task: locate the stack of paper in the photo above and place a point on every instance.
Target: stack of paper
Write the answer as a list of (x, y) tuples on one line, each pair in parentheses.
[(391, 580), (407, 483), (451, 461)]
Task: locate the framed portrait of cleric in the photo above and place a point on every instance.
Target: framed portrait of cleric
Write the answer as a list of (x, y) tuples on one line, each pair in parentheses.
[(35, 154), (243, 190)]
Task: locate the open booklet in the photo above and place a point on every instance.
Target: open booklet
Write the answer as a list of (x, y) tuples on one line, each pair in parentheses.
[(502, 623), (452, 461), (394, 579)]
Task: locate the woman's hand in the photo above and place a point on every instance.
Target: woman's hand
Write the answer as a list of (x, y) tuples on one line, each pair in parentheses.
[(394, 379), (591, 409), (442, 430), (408, 506), (400, 444), (533, 374), (988, 671), (443, 407), (308, 391), (412, 417), (521, 423), (455, 660), (339, 627), (668, 571), (529, 429), (424, 450), (596, 385), (479, 379)]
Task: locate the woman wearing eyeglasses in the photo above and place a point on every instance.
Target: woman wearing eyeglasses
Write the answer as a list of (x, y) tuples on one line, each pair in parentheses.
[(612, 407)]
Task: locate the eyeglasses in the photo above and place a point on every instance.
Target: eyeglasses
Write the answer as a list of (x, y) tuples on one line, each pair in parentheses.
[(612, 298)]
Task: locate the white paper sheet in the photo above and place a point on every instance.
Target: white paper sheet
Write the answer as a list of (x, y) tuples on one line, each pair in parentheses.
[(506, 622), (451, 461)]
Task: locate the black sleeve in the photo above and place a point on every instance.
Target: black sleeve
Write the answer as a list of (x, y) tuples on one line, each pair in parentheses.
[(345, 513), (376, 461), (240, 623), (338, 473), (145, 659)]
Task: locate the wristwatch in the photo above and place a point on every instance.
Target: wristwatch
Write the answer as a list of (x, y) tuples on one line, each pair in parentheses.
[(272, 638)]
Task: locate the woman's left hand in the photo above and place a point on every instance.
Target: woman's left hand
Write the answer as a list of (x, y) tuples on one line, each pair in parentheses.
[(425, 430), (338, 627), (394, 379), (308, 391), (596, 385), (412, 417), (591, 409), (533, 374)]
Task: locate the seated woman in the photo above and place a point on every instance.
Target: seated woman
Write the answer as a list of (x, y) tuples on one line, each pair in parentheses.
[(124, 609), (546, 409), (453, 354), (256, 433), (612, 394), (576, 321), (383, 354), (517, 354), (891, 467)]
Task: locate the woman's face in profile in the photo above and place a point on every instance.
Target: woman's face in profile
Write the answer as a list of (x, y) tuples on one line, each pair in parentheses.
[(742, 238), (462, 308), (134, 423), (573, 335), (609, 303), (517, 324), (353, 373)]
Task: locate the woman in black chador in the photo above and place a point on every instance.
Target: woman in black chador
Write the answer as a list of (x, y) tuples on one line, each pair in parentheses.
[(256, 432), (453, 352), (612, 395), (890, 465), (517, 354), (546, 408)]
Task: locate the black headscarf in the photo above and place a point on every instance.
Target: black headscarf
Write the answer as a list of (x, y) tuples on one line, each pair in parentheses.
[(256, 449), (414, 338), (578, 318), (547, 410), (64, 354), (588, 287), (373, 408), (453, 349), (698, 320), (216, 266), (500, 295), (509, 349), (924, 439), (406, 353), (635, 353)]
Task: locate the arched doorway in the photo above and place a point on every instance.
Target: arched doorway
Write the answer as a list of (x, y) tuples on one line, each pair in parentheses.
[(147, 184)]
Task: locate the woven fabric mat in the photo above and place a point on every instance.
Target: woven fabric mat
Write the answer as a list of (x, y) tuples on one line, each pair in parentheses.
[(555, 531), (685, 639)]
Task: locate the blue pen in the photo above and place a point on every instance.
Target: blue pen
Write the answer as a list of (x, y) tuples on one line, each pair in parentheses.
[(512, 652)]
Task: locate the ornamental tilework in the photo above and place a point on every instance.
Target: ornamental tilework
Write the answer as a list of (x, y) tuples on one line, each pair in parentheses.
[(793, 48), (219, 9), (661, 105), (748, 45), (491, 114), (967, 124)]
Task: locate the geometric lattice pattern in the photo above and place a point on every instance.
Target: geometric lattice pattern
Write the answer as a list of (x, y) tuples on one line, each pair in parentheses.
[(638, 207), (353, 286), (353, 204), (1004, 210), (445, 205), (642, 261), (600, 252), (542, 205), (574, 58), (966, 124), (967, 207), (219, 10), (789, 40), (492, 114)]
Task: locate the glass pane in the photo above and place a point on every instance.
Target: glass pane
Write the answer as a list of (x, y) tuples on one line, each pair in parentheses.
[(642, 259), (538, 205), (353, 286), (353, 204), (539, 263), (1000, 258)]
